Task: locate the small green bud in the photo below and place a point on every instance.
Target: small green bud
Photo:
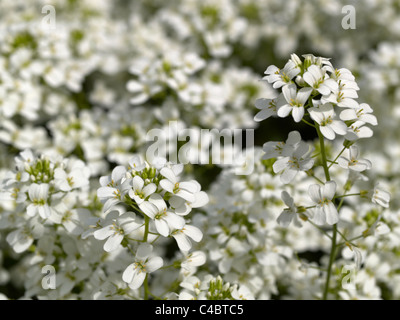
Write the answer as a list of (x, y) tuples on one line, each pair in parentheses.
[(301, 209), (364, 193), (347, 144)]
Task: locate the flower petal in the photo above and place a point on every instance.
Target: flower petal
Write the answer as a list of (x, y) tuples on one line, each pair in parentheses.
[(328, 190), (162, 227), (113, 242), (169, 174), (154, 264), (129, 273), (331, 214), (137, 280), (314, 193)]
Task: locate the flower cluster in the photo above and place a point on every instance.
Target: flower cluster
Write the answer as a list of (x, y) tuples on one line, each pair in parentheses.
[(159, 202), (324, 98), (53, 216), (211, 288), (79, 97), (43, 192)]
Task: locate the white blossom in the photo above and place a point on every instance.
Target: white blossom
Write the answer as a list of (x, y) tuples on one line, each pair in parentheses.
[(144, 264), (325, 210)]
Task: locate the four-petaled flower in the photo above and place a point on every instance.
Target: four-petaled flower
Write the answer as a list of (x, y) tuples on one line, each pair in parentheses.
[(164, 219), (317, 78), (182, 236), (267, 107), (290, 213), (144, 264), (380, 196), (325, 211), (328, 123), (292, 164), (352, 162), (278, 77), (38, 195), (294, 102), (113, 188), (139, 192), (184, 189), (116, 229), (274, 149)]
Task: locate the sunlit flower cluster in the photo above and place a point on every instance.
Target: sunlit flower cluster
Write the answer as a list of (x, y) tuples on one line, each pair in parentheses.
[(83, 84)]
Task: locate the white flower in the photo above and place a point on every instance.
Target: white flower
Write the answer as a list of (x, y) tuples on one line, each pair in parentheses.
[(328, 124), (94, 223), (380, 196), (136, 164), (25, 159), (278, 77), (183, 207), (22, 238), (113, 188), (319, 61), (325, 211), (38, 195), (192, 63), (243, 293), (139, 192), (136, 272), (378, 228), (185, 190), (275, 149), (319, 80), (296, 60), (353, 163), (343, 98), (194, 259), (357, 130), (141, 92), (194, 286), (350, 252), (77, 177), (361, 113), (288, 214), (182, 236), (294, 102), (345, 75), (115, 230), (164, 219), (267, 106), (71, 218), (291, 165)]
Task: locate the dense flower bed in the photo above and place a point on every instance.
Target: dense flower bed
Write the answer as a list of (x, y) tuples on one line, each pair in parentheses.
[(110, 115)]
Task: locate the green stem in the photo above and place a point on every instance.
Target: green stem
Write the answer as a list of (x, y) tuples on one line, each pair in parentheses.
[(320, 229), (146, 287), (346, 241), (146, 228), (350, 240), (337, 157), (331, 259), (334, 229), (316, 178), (145, 236), (347, 195), (308, 123), (323, 154)]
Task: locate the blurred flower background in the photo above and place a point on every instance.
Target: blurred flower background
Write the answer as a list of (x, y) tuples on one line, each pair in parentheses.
[(86, 92)]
